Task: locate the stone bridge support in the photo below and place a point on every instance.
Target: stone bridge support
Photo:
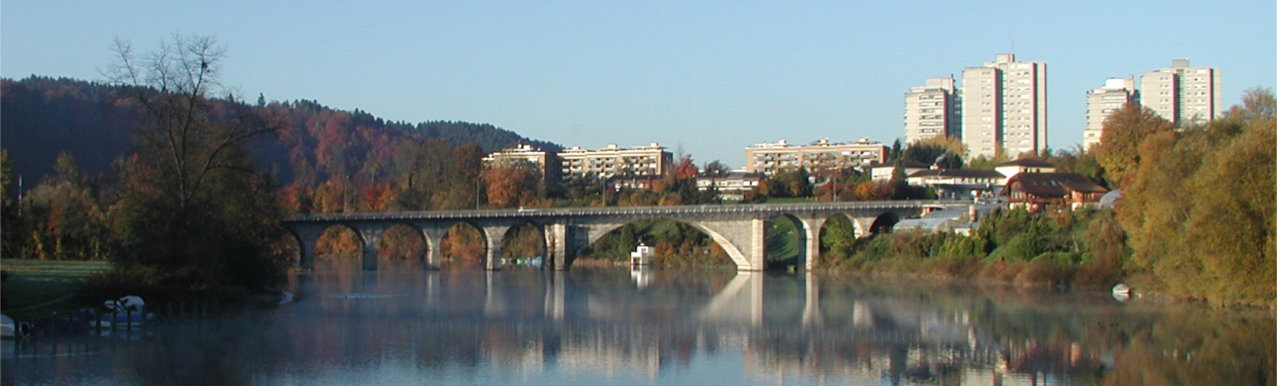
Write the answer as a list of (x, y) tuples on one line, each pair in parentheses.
[(494, 234), (369, 236), (433, 234), (557, 246)]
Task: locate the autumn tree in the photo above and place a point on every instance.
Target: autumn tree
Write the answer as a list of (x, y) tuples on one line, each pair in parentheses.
[(941, 150), (64, 218), (194, 205), (1199, 208), (1077, 160), (787, 183), (715, 168), (10, 224), (512, 185), (1124, 130)]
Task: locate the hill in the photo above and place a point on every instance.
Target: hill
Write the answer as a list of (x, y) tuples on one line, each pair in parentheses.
[(41, 117)]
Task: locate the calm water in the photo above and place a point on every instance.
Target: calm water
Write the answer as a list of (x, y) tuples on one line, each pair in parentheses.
[(668, 327)]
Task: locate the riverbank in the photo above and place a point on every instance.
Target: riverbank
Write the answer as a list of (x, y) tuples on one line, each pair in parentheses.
[(42, 288)]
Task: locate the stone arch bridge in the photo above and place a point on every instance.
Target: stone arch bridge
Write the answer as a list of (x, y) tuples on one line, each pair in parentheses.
[(739, 229)]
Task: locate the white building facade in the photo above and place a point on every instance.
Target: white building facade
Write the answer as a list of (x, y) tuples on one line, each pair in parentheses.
[(1183, 94), (650, 160), (1102, 102), (1004, 107), (930, 110), (822, 155)]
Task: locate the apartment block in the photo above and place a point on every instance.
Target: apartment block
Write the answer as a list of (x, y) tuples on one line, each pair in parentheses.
[(930, 111), (1102, 102), (1183, 94), (545, 162), (769, 158), (610, 161), (1004, 107)]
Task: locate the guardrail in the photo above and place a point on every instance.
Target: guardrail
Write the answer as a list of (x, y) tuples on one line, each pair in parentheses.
[(707, 209)]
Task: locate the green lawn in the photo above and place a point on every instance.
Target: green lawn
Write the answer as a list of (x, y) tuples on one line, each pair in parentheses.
[(38, 288)]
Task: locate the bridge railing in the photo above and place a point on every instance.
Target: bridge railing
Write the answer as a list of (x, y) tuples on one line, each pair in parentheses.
[(708, 209)]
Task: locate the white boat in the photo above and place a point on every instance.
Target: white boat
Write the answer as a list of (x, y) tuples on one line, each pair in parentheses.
[(8, 329), (1122, 292), (642, 256), (132, 319)]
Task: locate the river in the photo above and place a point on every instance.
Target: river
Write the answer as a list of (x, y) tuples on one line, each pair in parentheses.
[(614, 326)]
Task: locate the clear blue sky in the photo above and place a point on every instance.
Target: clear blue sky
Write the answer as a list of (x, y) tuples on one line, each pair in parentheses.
[(707, 78)]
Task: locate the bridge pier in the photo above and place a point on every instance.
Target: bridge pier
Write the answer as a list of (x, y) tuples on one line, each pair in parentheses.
[(494, 235), (369, 236), (433, 236), (306, 237), (556, 246), (810, 241)]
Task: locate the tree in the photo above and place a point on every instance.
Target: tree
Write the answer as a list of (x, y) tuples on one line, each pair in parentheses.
[(194, 205), (715, 168), (1198, 207), (10, 223), (65, 220), (1077, 160), (1124, 130), (512, 185), (944, 151)]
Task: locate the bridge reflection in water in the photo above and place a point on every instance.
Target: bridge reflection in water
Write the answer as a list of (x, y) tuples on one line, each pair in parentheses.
[(669, 326), (602, 321)]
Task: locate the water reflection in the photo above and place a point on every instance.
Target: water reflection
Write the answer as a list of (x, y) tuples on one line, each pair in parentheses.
[(618, 326)]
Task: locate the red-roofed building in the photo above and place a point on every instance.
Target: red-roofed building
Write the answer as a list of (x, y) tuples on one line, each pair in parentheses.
[(1039, 190)]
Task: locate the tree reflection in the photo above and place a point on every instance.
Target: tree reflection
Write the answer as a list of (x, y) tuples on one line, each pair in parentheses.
[(352, 324)]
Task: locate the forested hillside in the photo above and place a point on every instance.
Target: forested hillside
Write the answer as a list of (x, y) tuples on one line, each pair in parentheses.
[(43, 117)]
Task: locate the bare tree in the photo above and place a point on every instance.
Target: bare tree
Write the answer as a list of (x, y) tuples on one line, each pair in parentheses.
[(183, 130), (194, 201)]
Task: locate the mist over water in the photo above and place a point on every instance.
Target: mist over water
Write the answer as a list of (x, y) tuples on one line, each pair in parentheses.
[(591, 326)]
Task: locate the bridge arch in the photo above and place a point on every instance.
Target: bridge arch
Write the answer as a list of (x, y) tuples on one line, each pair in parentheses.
[(308, 239), (789, 247), (402, 244), (473, 248), (839, 231), (717, 235), (524, 239), (883, 223)]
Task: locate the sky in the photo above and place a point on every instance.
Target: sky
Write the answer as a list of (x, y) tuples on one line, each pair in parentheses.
[(704, 78)]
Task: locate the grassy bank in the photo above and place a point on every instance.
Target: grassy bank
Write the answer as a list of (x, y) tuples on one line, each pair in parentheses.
[(40, 288)]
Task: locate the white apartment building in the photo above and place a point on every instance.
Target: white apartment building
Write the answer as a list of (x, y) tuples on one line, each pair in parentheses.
[(769, 158), (1004, 107), (732, 186), (518, 154), (929, 110), (1102, 102), (613, 160), (1183, 94)]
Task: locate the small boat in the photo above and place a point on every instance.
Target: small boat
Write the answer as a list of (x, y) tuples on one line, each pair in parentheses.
[(8, 329), (1122, 292), (642, 256), (530, 261), (134, 319)]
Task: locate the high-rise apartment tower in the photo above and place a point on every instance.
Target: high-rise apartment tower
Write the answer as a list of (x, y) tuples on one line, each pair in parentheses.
[(1182, 94), (1102, 102), (1004, 107), (929, 110)]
